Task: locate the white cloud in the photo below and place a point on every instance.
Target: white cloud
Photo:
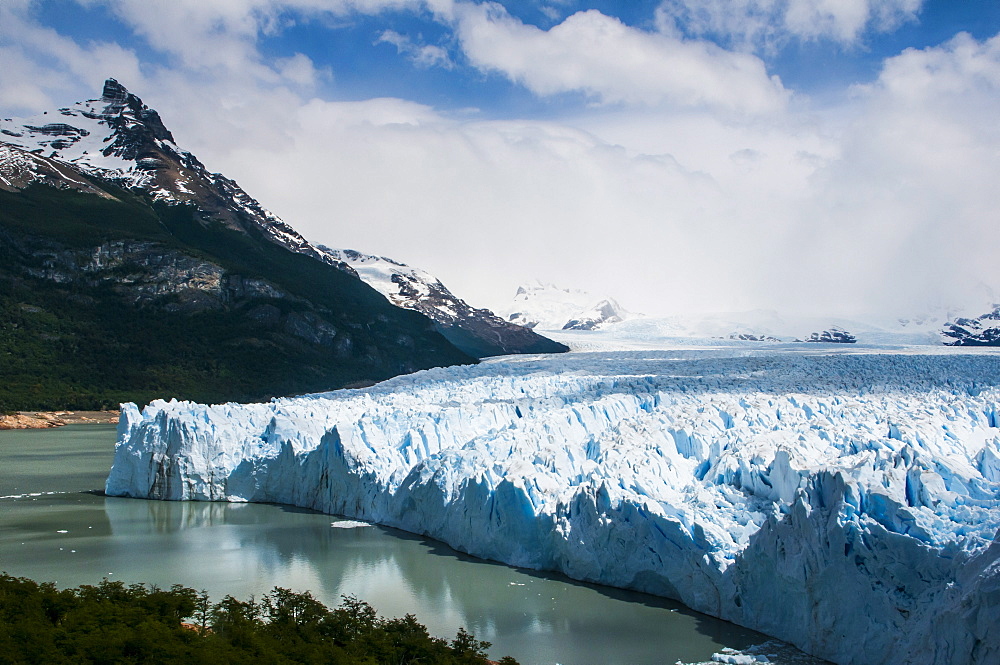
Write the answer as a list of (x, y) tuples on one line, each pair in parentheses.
[(766, 23), (550, 12), (611, 62), (914, 188), (300, 69), (422, 55), (483, 204), (883, 207), (398, 40), (223, 34)]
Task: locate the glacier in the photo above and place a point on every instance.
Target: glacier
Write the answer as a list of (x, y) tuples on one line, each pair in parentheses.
[(845, 501)]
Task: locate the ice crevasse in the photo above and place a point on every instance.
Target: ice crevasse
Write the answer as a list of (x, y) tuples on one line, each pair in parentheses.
[(848, 503)]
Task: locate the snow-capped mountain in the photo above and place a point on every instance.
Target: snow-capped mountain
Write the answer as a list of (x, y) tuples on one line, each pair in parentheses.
[(845, 499), (119, 139), (549, 307)]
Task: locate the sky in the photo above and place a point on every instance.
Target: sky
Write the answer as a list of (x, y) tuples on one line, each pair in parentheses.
[(820, 157)]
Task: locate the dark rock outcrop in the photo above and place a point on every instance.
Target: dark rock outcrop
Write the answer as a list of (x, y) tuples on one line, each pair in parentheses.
[(980, 331), (751, 337)]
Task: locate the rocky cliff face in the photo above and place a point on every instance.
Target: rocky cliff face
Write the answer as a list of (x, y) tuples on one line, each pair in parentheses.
[(148, 273)]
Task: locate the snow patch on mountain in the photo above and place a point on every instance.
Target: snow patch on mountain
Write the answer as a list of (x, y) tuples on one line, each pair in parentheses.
[(403, 286), (20, 168), (93, 136), (846, 500)]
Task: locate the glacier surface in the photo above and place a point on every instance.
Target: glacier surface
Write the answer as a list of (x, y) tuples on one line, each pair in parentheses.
[(847, 502)]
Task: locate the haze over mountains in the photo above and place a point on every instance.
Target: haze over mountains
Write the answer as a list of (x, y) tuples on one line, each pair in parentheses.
[(550, 308), (123, 251)]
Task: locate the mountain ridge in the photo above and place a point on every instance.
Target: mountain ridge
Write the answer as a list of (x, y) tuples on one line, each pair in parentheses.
[(140, 153), (131, 272)]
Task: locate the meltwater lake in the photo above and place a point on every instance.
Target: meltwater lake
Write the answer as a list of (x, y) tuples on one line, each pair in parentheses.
[(56, 526)]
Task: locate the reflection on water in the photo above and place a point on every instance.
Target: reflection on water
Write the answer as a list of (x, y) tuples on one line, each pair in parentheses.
[(247, 549)]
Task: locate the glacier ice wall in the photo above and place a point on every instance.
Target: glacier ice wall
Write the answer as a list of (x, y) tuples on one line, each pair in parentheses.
[(848, 503)]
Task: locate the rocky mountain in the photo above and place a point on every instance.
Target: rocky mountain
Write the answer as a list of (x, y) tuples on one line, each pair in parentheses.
[(980, 331), (119, 139), (602, 313), (549, 307), (128, 271)]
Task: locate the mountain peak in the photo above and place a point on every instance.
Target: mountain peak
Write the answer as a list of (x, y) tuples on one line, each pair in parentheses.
[(551, 307), (126, 113), (114, 92)]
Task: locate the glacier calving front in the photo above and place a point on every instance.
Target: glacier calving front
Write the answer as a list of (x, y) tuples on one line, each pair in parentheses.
[(846, 502)]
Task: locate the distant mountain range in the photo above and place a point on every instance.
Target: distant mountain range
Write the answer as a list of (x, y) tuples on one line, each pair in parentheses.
[(552, 308), (128, 271)]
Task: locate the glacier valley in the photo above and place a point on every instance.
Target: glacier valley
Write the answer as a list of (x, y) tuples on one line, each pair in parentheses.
[(844, 500)]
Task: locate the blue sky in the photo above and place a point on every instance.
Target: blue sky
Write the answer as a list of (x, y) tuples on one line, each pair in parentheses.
[(364, 65), (676, 154)]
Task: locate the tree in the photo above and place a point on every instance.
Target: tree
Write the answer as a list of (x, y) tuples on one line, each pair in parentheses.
[(468, 649)]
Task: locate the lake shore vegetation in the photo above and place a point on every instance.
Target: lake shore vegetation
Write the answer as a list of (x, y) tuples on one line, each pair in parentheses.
[(112, 622)]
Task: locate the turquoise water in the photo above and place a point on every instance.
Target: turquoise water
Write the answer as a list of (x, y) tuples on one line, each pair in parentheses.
[(53, 527)]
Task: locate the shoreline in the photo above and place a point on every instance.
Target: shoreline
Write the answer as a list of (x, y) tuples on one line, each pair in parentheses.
[(46, 419)]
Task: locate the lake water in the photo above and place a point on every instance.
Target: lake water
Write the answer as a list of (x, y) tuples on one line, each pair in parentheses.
[(54, 528)]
